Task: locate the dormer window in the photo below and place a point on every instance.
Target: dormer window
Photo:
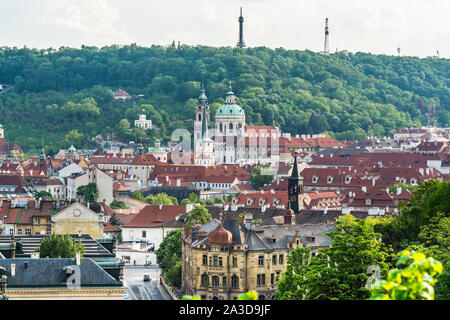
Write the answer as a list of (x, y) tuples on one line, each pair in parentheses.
[(330, 179), (315, 179), (368, 202), (348, 179), (249, 201)]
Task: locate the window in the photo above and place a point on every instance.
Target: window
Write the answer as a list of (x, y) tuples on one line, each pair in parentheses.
[(281, 259), (38, 220), (210, 261), (261, 279), (144, 234), (272, 278), (49, 231), (27, 231), (234, 262), (261, 261), (274, 259), (205, 280), (11, 231), (234, 282), (205, 259), (216, 261), (278, 275), (224, 281), (203, 296), (220, 261), (19, 231), (215, 281)]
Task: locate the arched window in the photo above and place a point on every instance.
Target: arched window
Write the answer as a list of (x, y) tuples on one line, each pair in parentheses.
[(199, 117), (231, 126), (205, 280), (221, 127), (215, 281), (234, 282)]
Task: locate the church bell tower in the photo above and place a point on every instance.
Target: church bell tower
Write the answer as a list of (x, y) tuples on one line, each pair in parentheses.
[(295, 189)]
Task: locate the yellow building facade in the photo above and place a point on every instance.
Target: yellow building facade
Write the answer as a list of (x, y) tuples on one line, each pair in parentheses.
[(216, 266), (78, 219)]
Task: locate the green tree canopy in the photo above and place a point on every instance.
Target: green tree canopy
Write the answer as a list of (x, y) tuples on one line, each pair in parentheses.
[(169, 255), (161, 198), (338, 272), (89, 192), (59, 246), (198, 215)]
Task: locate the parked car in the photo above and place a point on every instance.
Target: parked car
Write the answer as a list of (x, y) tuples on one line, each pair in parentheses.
[(147, 278)]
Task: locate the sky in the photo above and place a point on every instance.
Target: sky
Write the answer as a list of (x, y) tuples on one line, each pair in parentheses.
[(417, 27)]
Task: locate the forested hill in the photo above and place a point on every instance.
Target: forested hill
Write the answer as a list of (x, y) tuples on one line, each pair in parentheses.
[(65, 96)]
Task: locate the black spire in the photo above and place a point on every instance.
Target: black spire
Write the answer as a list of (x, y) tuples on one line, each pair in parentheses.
[(326, 27), (295, 175), (241, 43)]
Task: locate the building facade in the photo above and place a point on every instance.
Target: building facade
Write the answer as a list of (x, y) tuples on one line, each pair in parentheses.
[(223, 260)]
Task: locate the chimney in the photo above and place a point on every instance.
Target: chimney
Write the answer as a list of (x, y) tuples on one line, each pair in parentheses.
[(364, 189), (248, 219), (160, 206), (13, 269), (399, 190), (78, 258), (289, 218)]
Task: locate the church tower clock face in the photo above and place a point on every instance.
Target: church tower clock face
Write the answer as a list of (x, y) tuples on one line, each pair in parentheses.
[(77, 212)]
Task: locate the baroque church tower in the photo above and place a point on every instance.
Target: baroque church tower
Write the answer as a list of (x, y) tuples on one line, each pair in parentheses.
[(203, 144), (202, 105)]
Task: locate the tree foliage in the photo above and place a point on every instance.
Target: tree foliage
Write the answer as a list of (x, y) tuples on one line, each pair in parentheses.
[(68, 92), (338, 272), (198, 215), (415, 282), (118, 204), (59, 246), (169, 255), (260, 178), (161, 198), (89, 192)]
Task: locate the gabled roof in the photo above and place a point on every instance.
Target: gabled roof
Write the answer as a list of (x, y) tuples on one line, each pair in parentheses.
[(152, 216)]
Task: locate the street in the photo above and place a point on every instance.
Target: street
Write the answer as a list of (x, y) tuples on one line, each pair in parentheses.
[(138, 289)]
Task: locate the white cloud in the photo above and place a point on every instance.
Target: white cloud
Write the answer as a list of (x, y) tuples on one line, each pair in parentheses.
[(94, 18), (419, 27)]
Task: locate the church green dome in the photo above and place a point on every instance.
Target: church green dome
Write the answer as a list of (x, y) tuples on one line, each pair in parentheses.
[(228, 109), (72, 149)]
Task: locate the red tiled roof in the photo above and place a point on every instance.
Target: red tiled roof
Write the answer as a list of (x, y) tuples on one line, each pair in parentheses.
[(153, 215), (146, 159), (25, 215), (121, 93), (108, 227)]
